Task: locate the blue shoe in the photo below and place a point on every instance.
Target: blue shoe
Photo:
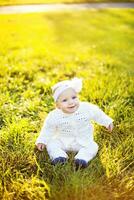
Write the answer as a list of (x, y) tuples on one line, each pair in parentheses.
[(60, 160), (79, 163)]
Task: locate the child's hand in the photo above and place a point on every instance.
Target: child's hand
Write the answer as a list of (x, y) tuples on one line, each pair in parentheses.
[(110, 127), (40, 146)]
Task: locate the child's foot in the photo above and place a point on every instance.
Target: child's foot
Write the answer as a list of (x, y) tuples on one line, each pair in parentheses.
[(60, 160), (79, 163)]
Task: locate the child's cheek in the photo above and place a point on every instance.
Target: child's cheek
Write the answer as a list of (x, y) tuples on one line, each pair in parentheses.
[(63, 105)]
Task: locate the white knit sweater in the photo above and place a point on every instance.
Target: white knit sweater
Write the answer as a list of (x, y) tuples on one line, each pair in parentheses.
[(75, 127)]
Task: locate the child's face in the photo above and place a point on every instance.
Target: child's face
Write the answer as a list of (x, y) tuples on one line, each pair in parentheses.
[(68, 101)]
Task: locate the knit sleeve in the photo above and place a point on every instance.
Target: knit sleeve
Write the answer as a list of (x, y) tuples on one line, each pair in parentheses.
[(97, 115), (47, 131)]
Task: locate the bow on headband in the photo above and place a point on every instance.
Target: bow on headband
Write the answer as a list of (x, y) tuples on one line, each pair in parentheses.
[(75, 83)]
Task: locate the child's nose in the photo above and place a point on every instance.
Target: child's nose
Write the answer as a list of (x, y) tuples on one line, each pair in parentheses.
[(70, 101)]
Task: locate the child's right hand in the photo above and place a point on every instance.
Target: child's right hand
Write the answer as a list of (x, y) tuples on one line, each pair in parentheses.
[(40, 146)]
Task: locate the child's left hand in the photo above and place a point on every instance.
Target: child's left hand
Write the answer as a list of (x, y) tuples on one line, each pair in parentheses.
[(110, 127)]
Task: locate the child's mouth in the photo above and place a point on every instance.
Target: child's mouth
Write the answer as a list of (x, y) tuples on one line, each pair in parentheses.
[(71, 107)]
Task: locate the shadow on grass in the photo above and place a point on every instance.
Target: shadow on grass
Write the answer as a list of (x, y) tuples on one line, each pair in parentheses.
[(66, 175), (68, 184)]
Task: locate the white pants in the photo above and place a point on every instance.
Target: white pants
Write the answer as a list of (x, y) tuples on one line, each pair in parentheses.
[(57, 149)]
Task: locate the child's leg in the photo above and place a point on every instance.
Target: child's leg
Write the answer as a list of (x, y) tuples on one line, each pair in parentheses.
[(55, 149), (87, 153)]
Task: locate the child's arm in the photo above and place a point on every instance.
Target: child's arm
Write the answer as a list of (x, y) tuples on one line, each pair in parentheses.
[(47, 132), (101, 118)]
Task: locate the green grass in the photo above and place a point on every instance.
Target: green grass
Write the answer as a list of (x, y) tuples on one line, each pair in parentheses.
[(37, 50), (12, 2)]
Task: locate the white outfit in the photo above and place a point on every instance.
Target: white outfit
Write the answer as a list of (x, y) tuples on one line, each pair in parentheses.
[(64, 132)]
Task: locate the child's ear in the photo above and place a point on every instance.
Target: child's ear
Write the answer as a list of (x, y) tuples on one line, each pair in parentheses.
[(57, 105)]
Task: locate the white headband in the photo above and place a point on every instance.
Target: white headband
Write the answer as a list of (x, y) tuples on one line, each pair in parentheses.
[(75, 83)]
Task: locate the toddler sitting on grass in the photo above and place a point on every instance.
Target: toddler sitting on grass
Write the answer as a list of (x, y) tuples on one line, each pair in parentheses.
[(68, 127)]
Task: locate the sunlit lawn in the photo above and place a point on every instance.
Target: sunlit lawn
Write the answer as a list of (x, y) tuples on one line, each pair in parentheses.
[(37, 50), (10, 2)]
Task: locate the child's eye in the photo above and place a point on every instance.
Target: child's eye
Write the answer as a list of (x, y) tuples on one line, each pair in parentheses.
[(74, 97), (64, 100)]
